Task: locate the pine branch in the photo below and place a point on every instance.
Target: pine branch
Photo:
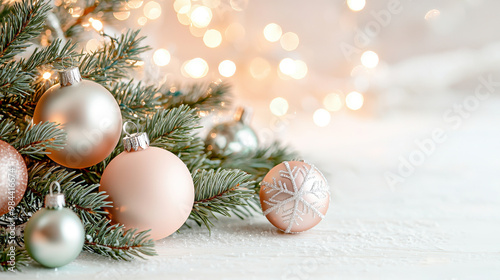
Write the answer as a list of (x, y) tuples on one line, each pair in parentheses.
[(56, 54), (20, 254), (7, 129), (116, 242), (13, 81), (172, 129), (82, 198), (220, 192), (112, 61), (201, 97), (135, 100), (23, 24), (103, 8), (35, 140)]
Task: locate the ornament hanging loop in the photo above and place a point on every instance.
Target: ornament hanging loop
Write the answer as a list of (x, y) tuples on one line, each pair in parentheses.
[(137, 141), (55, 201), (125, 128), (58, 187)]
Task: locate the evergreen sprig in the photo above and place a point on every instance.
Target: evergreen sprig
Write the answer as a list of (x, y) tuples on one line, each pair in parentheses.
[(36, 139), (221, 192), (202, 97), (135, 100), (111, 62), (116, 242), (18, 27)]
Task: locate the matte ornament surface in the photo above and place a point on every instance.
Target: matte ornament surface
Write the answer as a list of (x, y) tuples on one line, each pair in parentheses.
[(13, 177), (91, 118), (294, 196), (150, 189), (54, 237)]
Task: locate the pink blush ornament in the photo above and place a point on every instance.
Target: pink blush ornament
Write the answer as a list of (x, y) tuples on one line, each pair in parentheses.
[(13, 177), (151, 188), (294, 196)]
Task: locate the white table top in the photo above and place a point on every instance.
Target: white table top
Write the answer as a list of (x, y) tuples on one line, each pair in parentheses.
[(443, 222)]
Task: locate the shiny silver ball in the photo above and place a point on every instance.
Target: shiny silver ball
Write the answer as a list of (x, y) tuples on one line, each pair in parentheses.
[(54, 237), (231, 138)]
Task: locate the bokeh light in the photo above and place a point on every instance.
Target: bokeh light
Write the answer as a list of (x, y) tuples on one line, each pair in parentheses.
[(201, 16), (134, 4), (300, 70), (356, 5), (332, 102), (321, 117), (432, 14), (354, 100), (121, 15), (142, 21), (296, 69), (260, 68), (195, 68), (96, 24), (369, 59), (227, 68), (161, 57), (152, 10), (272, 32), (212, 38), (182, 6), (289, 41), (287, 66), (279, 106), (92, 45)]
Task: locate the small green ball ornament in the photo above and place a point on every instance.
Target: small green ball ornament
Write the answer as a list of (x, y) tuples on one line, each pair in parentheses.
[(233, 138), (54, 236)]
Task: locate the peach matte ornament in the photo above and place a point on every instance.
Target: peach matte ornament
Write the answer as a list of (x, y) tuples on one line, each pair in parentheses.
[(151, 188), (294, 196)]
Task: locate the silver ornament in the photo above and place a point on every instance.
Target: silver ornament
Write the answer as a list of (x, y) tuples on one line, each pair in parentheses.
[(54, 236), (234, 137), (87, 112)]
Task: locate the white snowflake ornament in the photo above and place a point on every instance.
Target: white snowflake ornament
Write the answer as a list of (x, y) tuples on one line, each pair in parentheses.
[(294, 196)]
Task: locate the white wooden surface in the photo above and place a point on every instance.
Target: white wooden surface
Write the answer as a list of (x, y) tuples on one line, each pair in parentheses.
[(443, 222)]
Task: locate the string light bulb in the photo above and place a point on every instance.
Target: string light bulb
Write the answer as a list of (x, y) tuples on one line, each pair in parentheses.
[(46, 75)]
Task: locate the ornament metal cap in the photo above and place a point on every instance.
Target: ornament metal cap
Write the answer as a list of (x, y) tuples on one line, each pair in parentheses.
[(135, 142), (70, 76), (55, 201)]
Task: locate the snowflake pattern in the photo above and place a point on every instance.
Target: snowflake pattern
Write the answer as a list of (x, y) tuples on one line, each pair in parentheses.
[(297, 194)]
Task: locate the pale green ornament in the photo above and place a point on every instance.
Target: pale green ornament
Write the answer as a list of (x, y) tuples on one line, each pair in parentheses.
[(233, 138), (54, 236)]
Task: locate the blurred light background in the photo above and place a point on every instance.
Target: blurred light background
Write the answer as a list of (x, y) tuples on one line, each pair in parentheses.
[(320, 65)]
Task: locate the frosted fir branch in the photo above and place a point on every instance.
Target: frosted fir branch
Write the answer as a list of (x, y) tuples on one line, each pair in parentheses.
[(220, 191), (111, 62), (36, 139), (202, 97), (23, 23), (21, 257), (116, 242), (135, 100)]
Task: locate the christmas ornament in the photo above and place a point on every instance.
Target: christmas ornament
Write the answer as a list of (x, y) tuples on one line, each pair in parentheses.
[(151, 188), (13, 177), (294, 196), (54, 236), (234, 137), (87, 112)]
